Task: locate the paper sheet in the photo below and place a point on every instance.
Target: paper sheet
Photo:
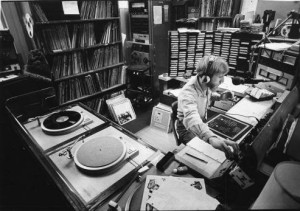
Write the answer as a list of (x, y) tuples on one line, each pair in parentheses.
[(157, 14), (246, 110), (70, 7), (276, 46), (176, 193), (166, 13), (237, 89)]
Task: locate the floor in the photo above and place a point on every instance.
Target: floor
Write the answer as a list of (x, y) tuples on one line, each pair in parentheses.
[(155, 137), (24, 185)]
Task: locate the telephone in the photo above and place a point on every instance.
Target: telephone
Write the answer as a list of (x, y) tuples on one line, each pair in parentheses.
[(259, 94)]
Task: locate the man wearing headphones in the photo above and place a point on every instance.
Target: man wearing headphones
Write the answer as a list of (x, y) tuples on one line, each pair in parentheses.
[(193, 102)]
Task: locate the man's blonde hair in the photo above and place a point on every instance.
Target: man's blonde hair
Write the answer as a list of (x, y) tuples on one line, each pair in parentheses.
[(219, 65)]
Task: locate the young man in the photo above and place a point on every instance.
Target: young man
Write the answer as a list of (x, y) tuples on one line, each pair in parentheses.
[(194, 99)]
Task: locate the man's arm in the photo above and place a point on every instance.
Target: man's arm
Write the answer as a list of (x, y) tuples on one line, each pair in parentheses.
[(192, 119), (215, 96), (226, 95)]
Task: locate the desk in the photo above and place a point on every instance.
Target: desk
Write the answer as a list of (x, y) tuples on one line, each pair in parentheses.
[(131, 200), (84, 191), (167, 82), (281, 107)]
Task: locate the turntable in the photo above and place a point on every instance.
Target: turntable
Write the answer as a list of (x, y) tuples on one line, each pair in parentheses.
[(61, 125), (102, 153), (102, 163), (62, 122)]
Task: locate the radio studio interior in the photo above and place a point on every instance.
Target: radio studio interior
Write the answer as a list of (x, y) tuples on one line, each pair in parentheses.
[(149, 104)]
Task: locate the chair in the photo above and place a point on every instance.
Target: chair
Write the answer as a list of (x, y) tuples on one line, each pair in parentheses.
[(174, 122)]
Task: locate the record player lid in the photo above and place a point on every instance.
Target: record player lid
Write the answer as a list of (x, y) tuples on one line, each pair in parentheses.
[(101, 152)]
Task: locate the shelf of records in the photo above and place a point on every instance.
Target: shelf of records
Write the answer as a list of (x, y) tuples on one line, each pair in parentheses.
[(77, 63), (205, 23), (187, 46), (65, 37), (43, 11), (218, 8), (56, 29), (79, 48), (208, 25), (91, 85), (73, 64)]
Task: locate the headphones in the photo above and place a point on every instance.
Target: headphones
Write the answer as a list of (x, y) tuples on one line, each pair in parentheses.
[(205, 76)]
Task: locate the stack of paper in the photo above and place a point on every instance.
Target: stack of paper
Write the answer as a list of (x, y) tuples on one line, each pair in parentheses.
[(239, 90), (176, 193), (276, 46), (249, 111)]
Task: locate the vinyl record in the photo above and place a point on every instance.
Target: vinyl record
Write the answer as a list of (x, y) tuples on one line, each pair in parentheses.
[(62, 122), (101, 153)]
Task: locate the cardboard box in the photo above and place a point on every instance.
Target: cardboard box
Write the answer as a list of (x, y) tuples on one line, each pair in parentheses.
[(161, 117)]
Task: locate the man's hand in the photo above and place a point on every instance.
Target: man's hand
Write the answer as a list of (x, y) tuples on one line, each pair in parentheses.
[(225, 146), (227, 95)]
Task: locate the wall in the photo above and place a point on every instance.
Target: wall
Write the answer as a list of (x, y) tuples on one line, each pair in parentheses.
[(124, 21), (17, 28), (282, 8), (248, 5)]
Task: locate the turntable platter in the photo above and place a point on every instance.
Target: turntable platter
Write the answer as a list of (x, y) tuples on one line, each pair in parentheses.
[(62, 122), (100, 153)]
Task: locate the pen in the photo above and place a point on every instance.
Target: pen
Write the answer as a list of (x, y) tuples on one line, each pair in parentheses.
[(193, 156)]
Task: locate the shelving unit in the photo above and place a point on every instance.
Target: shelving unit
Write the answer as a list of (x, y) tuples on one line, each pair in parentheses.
[(148, 38), (187, 46), (83, 49), (207, 15), (278, 65)]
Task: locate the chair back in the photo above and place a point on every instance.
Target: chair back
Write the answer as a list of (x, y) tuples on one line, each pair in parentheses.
[(174, 121)]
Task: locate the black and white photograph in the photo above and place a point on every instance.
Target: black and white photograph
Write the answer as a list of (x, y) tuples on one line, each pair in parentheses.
[(127, 105)]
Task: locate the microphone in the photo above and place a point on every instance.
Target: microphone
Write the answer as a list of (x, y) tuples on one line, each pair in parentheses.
[(240, 80)]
